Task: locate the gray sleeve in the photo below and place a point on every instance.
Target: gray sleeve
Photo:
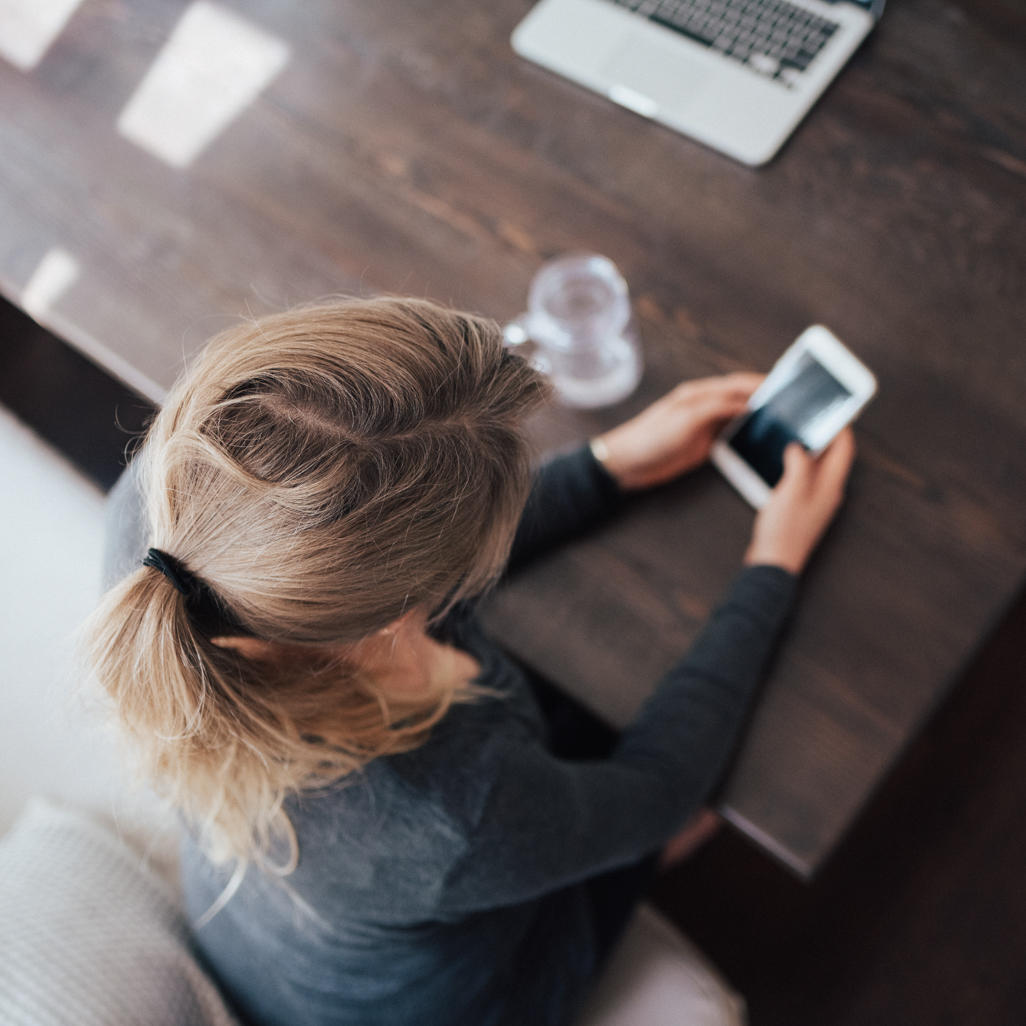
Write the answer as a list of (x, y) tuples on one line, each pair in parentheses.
[(125, 531), (572, 493), (547, 823)]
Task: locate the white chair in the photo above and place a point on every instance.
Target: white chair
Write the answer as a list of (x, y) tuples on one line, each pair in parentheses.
[(657, 977)]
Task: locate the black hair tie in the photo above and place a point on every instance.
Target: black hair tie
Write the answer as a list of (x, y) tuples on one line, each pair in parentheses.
[(206, 609), (172, 570)]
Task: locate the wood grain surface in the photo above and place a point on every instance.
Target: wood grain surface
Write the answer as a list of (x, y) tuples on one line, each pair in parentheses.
[(404, 148)]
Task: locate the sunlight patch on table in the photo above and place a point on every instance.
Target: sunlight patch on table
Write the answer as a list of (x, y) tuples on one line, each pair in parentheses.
[(212, 67), (56, 273), (29, 27)]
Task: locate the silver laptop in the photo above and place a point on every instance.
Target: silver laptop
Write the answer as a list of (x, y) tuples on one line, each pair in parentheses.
[(737, 75)]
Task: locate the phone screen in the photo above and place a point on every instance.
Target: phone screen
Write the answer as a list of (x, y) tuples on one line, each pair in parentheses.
[(797, 410)]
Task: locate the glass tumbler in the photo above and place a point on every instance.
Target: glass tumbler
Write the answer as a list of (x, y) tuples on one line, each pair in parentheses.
[(578, 329)]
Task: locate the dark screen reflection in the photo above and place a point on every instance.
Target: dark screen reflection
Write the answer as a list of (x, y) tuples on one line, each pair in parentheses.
[(761, 438)]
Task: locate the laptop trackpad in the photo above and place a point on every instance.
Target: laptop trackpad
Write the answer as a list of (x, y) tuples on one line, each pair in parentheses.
[(662, 76)]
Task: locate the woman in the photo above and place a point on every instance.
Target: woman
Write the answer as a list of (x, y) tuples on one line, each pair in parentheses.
[(380, 828)]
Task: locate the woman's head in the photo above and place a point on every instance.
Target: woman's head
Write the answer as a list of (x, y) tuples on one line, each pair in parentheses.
[(322, 472), (327, 469)]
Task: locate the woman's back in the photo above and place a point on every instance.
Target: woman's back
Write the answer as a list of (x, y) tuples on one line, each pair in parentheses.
[(379, 922)]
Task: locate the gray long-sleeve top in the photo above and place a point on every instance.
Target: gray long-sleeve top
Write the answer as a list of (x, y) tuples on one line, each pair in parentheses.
[(444, 885)]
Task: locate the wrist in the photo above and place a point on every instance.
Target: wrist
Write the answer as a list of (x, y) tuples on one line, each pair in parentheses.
[(757, 555), (622, 468)]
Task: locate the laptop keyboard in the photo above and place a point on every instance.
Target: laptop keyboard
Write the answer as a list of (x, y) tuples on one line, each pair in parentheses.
[(772, 37)]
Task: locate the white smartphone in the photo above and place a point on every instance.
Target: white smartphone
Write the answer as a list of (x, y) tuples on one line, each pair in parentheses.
[(813, 391)]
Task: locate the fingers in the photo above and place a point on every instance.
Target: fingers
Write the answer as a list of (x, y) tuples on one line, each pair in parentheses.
[(798, 466), (717, 407), (840, 454), (740, 384), (802, 505), (826, 473), (745, 381), (796, 458), (720, 398), (836, 461)]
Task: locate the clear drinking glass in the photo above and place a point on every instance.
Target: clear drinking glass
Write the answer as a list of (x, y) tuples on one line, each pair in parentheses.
[(578, 329)]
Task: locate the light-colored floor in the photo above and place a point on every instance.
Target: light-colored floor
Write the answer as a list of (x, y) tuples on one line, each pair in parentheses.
[(51, 528)]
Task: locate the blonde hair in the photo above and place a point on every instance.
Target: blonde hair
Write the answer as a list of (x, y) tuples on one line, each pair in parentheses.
[(321, 472)]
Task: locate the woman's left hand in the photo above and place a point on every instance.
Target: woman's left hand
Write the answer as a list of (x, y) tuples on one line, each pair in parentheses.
[(675, 433)]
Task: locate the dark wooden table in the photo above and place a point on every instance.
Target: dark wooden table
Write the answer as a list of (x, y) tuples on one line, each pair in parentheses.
[(403, 147)]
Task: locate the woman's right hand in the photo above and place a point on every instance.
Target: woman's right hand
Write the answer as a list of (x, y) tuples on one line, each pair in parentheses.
[(800, 508)]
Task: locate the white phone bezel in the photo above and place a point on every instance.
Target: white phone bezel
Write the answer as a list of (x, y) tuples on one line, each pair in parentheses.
[(825, 347)]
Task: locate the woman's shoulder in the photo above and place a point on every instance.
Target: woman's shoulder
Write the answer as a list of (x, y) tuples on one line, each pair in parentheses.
[(400, 824), (440, 778)]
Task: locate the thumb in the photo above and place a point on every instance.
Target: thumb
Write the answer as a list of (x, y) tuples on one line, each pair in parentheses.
[(796, 458), (797, 463)]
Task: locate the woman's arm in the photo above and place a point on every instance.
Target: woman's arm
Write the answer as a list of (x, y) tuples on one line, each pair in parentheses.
[(576, 491), (571, 494), (546, 823)]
